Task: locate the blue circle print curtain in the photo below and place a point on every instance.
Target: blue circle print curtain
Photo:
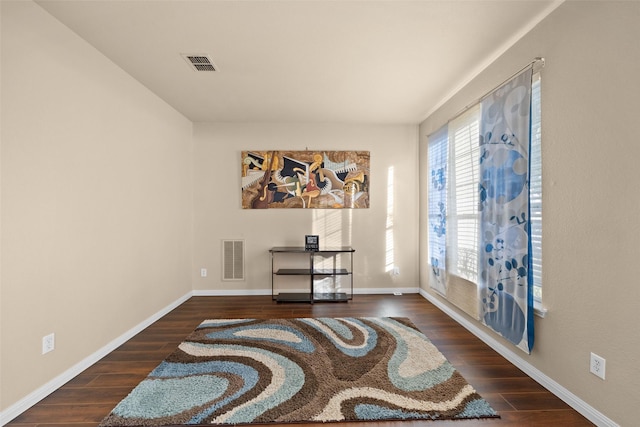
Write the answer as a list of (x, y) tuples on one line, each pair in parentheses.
[(437, 202), (505, 271)]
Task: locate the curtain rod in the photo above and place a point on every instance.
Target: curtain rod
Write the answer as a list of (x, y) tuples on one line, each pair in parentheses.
[(537, 60)]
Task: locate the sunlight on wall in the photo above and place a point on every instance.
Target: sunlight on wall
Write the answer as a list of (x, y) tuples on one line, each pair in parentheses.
[(389, 252), (334, 227)]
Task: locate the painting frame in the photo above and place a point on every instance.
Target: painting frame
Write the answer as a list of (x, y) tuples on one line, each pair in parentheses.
[(308, 179)]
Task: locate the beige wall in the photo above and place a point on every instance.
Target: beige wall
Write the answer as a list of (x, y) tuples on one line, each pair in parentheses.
[(96, 200), (218, 214), (591, 204), (103, 187)]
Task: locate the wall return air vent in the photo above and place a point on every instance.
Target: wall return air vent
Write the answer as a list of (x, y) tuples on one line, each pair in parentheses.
[(232, 260), (199, 62)]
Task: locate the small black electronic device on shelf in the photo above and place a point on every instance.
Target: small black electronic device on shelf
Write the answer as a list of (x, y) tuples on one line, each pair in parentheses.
[(311, 242)]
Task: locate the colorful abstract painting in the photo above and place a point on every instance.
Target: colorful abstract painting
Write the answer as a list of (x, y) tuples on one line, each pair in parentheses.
[(305, 179)]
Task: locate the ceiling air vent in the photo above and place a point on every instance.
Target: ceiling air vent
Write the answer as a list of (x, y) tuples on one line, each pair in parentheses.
[(200, 62)]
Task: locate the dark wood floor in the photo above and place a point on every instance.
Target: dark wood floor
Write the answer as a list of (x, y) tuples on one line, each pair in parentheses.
[(89, 397)]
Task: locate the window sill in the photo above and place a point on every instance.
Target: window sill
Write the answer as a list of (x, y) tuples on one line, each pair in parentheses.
[(539, 309)]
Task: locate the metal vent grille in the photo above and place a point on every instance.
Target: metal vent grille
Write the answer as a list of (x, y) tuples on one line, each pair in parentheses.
[(232, 260), (200, 62)]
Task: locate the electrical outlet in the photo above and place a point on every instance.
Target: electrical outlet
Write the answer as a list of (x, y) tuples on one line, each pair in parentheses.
[(203, 272), (48, 343), (597, 365)]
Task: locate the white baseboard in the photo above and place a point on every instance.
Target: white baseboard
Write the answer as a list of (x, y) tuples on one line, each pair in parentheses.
[(230, 292), (36, 396), (384, 291), (245, 292), (589, 412)]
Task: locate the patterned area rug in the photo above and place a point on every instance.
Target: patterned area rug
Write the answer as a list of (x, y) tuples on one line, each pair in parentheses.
[(301, 370)]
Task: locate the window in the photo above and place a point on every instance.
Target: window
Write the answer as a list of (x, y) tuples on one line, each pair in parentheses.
[(460, 163), (464, 152), (535, 187)]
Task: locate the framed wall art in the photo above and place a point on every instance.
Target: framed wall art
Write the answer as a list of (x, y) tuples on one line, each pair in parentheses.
[(305, 179)]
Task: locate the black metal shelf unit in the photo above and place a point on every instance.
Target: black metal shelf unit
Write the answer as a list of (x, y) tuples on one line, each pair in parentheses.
[(317, 270)]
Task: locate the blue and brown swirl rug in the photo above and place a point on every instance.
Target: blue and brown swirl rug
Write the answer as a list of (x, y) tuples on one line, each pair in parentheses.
[(238, 371)]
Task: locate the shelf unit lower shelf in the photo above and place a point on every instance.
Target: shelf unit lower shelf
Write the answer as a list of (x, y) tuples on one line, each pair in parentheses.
[(307, 272), (313, 273), (304, 297)]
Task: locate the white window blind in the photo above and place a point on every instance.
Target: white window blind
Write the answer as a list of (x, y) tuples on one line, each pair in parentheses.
[(462, 218), (535, 187)]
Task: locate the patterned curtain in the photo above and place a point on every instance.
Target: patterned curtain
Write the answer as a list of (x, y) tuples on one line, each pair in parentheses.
[(505, 270), (437, 200)]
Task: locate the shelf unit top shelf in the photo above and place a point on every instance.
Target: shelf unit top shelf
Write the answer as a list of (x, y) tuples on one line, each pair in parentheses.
[(307, 297), (301, 249)]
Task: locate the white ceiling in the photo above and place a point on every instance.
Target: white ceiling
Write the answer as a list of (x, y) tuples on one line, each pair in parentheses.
[(303, 60)]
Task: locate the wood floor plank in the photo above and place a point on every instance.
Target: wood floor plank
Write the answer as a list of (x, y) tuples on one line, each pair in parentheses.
[(89, 397), (470, 371), (113, 380), (506, 385), (69, 396), (64, 415), (534, 401)]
